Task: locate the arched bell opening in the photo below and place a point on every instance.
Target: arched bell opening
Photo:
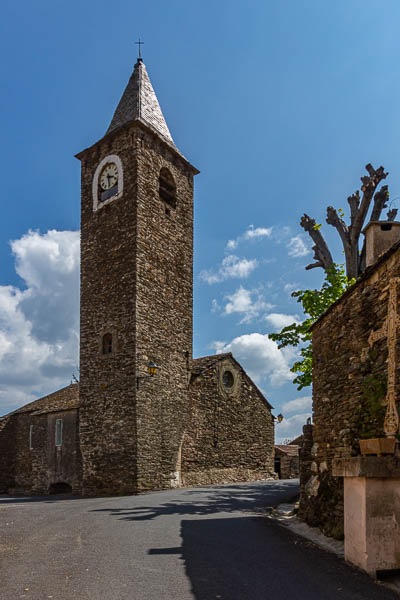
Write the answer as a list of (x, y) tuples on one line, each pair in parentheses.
[(167, 187)]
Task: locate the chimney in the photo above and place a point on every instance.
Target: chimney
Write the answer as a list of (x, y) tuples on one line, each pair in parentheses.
[(379, 237)]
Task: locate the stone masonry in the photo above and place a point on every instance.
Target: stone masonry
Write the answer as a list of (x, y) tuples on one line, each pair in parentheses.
[(349, 386), (136, 281), (227, 439), (287, 461), (30, 461)]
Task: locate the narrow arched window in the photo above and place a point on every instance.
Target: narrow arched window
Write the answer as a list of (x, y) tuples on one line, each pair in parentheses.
[(167, 187), (107, 343), (59, 432)]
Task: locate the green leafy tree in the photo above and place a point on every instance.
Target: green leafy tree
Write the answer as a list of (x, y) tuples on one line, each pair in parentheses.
[(314, 303)]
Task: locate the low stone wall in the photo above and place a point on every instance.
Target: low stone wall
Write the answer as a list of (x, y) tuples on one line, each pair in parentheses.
[(321, 494), (221, 476)]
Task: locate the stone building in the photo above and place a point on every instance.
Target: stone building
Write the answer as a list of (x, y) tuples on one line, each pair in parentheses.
[(287, 461), (350, 377), (122, 430)]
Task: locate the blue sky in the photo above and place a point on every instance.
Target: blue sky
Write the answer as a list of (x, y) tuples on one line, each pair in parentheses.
[(279, 104)]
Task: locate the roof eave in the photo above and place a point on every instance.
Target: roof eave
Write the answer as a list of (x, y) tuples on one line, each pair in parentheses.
[(149, 129)]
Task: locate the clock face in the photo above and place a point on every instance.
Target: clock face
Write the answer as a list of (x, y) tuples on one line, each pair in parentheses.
[(109, 176)]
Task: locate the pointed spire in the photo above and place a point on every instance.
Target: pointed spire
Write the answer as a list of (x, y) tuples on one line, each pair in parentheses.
[(139, 102)]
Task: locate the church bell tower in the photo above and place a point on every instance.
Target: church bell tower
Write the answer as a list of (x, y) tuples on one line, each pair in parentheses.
[(136, 298)]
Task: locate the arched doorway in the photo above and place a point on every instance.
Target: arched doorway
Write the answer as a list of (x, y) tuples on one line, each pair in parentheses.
[(61, 487)]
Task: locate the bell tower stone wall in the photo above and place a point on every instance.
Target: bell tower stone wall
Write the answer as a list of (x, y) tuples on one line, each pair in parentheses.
[(164, 300), (108, 291), (136, 284)]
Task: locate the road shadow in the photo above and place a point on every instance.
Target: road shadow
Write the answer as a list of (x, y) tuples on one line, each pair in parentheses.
[(252, 558), (248, 498), (5, 499)]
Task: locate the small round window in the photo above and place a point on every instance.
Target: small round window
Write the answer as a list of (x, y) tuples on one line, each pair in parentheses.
[(228, 379)]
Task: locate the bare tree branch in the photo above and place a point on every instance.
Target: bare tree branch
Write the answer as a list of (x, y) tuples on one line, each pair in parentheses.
[(380, 199), (350, 234), (332, 218), (342, 229), (354, 202), (369, 185), (314, 265), (362, 259), (321, 250)]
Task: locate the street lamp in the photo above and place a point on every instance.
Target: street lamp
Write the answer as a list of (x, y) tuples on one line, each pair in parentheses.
[(152, 370), (280, 418)]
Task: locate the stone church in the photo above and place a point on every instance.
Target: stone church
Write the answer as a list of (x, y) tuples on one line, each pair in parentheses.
[(145, 415)]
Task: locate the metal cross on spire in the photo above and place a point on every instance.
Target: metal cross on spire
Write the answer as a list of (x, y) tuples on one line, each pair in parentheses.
[(140, 43)]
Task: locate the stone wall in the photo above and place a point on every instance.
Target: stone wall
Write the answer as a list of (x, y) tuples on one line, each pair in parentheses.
[(63, 462), (7, 453), (289, 467), (108, 284), (23, 458), (136, 283), (305, 460), (36, 468), (287, 461), (230, 437), (349, 379), (164, 298)]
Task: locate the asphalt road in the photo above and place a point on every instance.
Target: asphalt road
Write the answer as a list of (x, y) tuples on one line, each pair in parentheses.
[(204, 543)]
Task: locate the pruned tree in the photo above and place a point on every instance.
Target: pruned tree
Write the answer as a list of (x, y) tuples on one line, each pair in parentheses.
[(350, 234)]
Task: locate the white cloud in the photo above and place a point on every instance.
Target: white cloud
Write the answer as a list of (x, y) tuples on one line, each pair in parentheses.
[(232, 267), (303, 403), (290, 428), (257, 232), (249, 303), (297, 247), (239, 301), (39, 326), (260, 357), (251, 233), (279, 320)]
